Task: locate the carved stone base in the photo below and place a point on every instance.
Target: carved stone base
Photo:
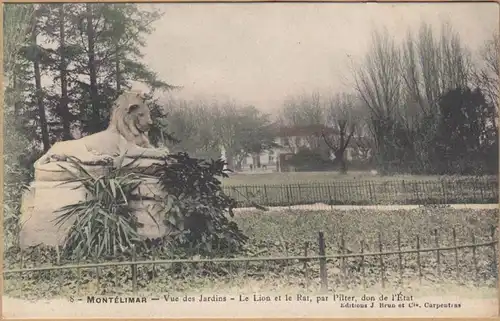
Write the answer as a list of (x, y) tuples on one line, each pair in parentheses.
[(55, 171), (45, 197), (39, 205)]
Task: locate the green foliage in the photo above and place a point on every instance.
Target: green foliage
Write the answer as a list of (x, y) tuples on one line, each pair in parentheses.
[(256, 132), (310, 160), (104, 224), (198, 205), (466, 141), (75, 104), (16, 140), (285, 233)]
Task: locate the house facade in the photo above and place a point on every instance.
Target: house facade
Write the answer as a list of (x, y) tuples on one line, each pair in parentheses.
[(290, 140)]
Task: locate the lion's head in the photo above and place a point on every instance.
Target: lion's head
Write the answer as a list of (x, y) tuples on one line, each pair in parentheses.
[(131, 118)]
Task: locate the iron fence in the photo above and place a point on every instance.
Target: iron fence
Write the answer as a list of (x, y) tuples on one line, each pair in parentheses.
[(328, 271), (402, 192)]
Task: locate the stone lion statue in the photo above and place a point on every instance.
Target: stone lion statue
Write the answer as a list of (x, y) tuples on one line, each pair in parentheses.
[(126, 135)]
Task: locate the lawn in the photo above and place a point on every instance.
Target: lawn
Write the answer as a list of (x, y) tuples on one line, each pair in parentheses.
[(363, 191), (314, 177), (355, 226), (285, 234)]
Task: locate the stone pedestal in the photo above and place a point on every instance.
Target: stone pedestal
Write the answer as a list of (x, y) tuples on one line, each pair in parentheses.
[(39, 206), (148, 207), (51, 191)]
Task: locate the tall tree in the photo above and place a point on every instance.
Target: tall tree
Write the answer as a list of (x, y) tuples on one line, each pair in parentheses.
[(17, 23), (344, 116), (92, 68), (63, 65), (466, 142), (305, 110), (487, 75), (379, 84), (256, 134), (36, 59)]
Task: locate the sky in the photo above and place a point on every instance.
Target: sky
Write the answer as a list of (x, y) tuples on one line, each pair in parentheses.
[(262, 53)]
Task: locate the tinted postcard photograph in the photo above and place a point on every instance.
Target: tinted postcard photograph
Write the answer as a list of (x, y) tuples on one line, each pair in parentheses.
[(258, 160)]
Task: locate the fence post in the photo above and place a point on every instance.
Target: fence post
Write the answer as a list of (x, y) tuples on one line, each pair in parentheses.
[(370, 192), (330, 195), (443, 189), (247, 195), (97, 272), (21, 261), (474, 257), (134, 271), (494, 247), (322, 263), (363, 263), (417, 188), (400, 260), (288, 195), (153, 268), (306, 270), (418, 260), (78, 274), (481, 186), (287, 264), (342, 251), (438, 253), (457, 267), (381, 258), (266, 196)]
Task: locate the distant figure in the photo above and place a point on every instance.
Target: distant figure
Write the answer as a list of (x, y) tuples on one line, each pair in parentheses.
[(223, 156)]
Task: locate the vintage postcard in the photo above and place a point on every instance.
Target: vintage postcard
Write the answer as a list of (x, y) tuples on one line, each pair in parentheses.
[(255, 160)]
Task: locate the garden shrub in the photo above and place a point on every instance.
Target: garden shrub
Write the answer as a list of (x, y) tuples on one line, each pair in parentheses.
[(195, 205)]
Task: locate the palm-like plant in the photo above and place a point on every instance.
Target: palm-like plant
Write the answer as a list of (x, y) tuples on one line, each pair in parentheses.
[(104, 223)]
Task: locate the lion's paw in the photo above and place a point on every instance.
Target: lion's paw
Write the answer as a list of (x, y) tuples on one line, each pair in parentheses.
[(106, 159), (100, 160), (58, 158), (165, 154)]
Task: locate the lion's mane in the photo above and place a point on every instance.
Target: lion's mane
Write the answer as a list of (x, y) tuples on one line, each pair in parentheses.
[(125, 123)]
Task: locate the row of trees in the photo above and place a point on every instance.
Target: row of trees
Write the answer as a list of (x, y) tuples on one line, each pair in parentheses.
[(207, 129), (425, 105), (408, 102), (64, 64), (67, 62)]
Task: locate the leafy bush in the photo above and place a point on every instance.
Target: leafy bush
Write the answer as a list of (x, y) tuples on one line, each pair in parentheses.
[(310, 160), (199, 205), (195, 205), (104, 223)]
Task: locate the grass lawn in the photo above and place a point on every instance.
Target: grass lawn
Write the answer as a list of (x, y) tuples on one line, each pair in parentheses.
[(317, 177), (285, 234), (378, 190)]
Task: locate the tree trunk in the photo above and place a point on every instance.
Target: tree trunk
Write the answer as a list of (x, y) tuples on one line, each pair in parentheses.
[(64, 82), (38, 88), (117, 67), (230, 159), (94, 99), (17, 102), (342, 162)]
